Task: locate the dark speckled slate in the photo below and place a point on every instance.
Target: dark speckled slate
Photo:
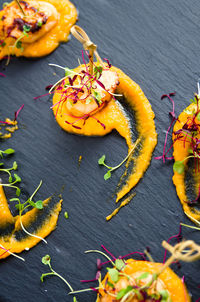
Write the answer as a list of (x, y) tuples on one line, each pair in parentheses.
[(157, 44)]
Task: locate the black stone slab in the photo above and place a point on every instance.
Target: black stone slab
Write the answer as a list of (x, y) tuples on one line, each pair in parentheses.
[(157, 43)]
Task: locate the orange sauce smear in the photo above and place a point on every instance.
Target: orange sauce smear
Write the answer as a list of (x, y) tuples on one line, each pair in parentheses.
[(50, 40), (113, 117)]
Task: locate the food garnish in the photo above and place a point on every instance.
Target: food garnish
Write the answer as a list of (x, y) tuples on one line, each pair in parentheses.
[(34, 28), (186, 155), (136, 280), (23, 231), (96, 98)]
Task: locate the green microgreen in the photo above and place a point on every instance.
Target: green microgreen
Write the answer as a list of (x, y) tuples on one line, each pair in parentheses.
[(29, 202), (101, 161), (97, 96), (66, 215), (165, 295), (143, 276), (123, 292), (39, 23), (2, 44), (114, 274), (179, 166), (119, 264), (46, 260), (21, 207), (11, 182), (26, 28), (5, 4), (7, 152), (98, 71), (190, 226)]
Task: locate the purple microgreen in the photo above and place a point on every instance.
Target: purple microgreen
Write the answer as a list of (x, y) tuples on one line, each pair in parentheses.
[(2, 75), (178, 238), (17, 112)]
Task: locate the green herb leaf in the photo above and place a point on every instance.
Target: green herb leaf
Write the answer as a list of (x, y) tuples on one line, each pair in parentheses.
[(9, 151), (110, 284), (107, 175), (193, 100), (5, 4), (198, 116), (143, 276), (66, 215), (18, 191), (46, 260), (178, 167), (39, 205), (68, 72), (3, 44), (17, 178), (26, 28), (39, 23), (15, 166), (1, 164), (164, 294), (97, 96), (123, 292), (10, 179), (114, 274), (19, 44), (15, 199), (101, 160), (42, 278), (119, 263)]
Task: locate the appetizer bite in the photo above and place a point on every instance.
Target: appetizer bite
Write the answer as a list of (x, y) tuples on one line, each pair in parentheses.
[(34, 28), (21, 229), (186, 143), (138, 280), (96, 98)]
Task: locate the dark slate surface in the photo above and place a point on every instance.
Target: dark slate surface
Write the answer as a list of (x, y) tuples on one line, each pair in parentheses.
[(157, 44)]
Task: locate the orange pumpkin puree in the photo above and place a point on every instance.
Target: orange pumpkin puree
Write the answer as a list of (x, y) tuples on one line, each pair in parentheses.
[(43, 40), (167, 280), (38, 222), (113, 116), (181, 151)]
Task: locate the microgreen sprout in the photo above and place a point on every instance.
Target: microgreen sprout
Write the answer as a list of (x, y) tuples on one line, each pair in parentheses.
[(14, 167), (7, 152), (12, 183), (66, 215), (46, 260), (29, 203), (101, 161)]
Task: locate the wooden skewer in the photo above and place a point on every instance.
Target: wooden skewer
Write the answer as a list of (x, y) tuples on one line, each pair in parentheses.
[(20, 7), (187, 251), (82, 37)]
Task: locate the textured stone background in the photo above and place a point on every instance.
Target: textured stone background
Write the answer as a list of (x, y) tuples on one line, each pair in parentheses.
[(157, 44)]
